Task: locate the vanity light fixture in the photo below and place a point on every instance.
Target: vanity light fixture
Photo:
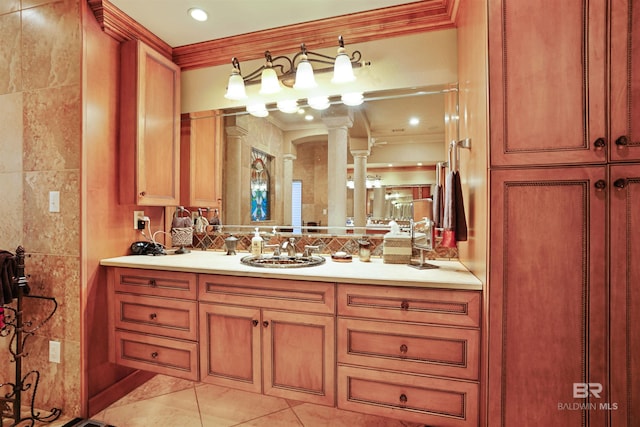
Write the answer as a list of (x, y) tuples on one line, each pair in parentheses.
[(298, 73), (198, 14)]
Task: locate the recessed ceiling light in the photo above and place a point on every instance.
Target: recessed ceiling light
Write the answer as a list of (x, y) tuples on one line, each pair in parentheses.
[(198, 14), (414, 121), (308, 117)]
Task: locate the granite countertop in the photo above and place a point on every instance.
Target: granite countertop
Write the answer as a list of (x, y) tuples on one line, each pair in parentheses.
[(450, 274)]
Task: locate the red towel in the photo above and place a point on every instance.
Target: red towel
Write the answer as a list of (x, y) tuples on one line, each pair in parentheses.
[(454, 221)]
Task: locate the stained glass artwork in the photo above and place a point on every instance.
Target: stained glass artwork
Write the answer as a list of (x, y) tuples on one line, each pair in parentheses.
[(260, 184)]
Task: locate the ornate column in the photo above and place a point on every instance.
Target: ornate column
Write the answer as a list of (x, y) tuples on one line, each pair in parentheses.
[(338, 123), (286, 187), (360, 187), (233, 188)]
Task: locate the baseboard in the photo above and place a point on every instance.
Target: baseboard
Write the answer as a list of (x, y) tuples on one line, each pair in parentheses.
[(118, 390)]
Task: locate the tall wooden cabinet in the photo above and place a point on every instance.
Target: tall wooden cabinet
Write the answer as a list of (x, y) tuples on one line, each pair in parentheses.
[(201, 159), (149, 127), (564, 129)]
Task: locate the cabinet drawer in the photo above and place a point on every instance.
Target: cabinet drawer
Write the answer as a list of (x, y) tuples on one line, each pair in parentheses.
[(438, 306), (424, 400), (152, 282), (422, 349), (155, 354), (290, 295), (160, 316)]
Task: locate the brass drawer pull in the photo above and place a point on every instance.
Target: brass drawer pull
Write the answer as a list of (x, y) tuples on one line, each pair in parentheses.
[(404, 305), (403, 399), (265, 323), (154, 355), (404, 349), (152, 283), (255, 322), (153, 316)]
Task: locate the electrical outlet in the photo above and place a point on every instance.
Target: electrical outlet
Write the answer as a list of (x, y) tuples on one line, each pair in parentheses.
[(137, 216), (54, 351)]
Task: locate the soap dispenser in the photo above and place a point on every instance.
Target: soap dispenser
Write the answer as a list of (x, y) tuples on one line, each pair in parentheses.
[(257, 244)]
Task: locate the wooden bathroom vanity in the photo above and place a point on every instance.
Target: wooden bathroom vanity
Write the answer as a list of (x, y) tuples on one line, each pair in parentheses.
[(370, 337)]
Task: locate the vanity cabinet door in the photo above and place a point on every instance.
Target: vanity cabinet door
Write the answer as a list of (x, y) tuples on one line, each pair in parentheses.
[(625, 294), (230, 346), (201, 159), (625, 81), (547, 295), (149, 127), (547, 67), (299, 356)]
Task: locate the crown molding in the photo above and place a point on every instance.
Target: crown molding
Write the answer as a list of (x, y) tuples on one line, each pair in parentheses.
[(407, 19), (122, 27)]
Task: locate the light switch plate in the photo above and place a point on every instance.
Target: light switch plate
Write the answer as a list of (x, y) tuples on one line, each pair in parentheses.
[(54, 351), (54, 201)]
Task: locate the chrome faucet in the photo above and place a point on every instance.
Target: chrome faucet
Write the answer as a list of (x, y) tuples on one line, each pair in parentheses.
[(308, 250), (290, 246)]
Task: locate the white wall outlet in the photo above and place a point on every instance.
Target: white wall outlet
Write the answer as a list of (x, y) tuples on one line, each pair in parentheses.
[(54, 201), (54, 351), (136, 216)]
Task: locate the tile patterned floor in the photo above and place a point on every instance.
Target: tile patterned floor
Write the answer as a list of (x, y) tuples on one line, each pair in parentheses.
[(170, 402)]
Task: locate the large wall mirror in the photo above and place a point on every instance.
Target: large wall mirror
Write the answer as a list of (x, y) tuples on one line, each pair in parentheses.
[(405, 132)]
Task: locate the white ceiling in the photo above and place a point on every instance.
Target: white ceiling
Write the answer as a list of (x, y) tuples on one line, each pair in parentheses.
[(169, 20)]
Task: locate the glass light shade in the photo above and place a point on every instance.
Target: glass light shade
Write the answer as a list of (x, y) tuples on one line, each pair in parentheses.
[(350, 183), (288, 106), (319, 102), (198, 14), (257, 110), (270, 83), (353, 99), (235, 88), (342, 69), (304, 75)]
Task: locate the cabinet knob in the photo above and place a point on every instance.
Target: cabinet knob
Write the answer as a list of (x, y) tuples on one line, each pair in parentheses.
[(404, 305), (404, 349), (620, 183), (600, 143), (265, 323), (143, 193), (153, 316), (154, 355), (403, 398), (622, 141), (255, 322), (600, 184), (152, 283)]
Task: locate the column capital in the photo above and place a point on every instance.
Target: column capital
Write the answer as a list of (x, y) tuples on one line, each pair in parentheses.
[(236, 131), (342, 118), (289, 156), (360, 153)]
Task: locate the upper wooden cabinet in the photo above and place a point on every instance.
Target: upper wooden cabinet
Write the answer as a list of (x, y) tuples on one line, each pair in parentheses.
[(201, 159), (548, 71), (149, 127), (625, 81)]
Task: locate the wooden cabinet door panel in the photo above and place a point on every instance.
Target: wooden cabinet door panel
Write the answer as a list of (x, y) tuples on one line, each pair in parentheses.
[(230, 346), (625, 81), (625, 294), (547, 294), (547, 68), (299, 356)]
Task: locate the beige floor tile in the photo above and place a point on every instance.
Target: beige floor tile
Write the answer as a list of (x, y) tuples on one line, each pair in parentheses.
[(284, 418), (324, 416), (156, 386), (175, 409), (221, 406)]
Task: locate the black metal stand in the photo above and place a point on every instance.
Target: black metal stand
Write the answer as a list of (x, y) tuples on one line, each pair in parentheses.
[(19, 331)]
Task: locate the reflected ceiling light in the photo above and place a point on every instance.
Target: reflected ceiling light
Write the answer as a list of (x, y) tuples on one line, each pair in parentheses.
[(235, 88), (319, 102), (198, 14), (258, 110), (288, 106), (342, 69), (353, 99)]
